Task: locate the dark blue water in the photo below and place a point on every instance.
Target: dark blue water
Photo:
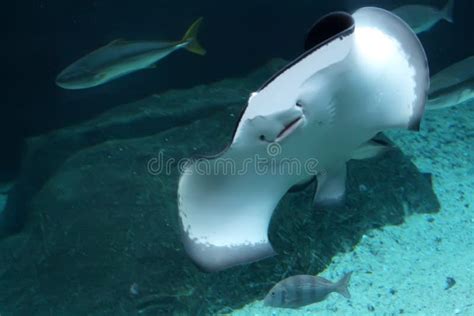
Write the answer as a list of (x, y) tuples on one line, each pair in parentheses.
[(88, 230), (42, 37)]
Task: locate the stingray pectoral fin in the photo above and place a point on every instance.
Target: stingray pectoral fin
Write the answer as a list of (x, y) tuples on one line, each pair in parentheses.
[(327, 27), (385, 44), (225, 214), (331, 186)]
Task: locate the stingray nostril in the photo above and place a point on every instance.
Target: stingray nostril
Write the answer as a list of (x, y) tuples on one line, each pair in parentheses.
[(298, 104)]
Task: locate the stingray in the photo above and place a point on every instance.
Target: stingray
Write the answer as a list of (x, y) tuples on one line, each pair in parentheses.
[(360, 74)]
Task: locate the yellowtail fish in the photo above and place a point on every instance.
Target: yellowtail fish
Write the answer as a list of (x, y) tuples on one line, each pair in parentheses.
[(121, 57), (452, 95), (422, 18), (452, 86)]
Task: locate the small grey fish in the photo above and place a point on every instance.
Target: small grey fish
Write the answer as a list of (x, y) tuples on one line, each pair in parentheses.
[(452, 85), (456, 73), (301, 290), (422, 18), (452, 95), (121, 57)]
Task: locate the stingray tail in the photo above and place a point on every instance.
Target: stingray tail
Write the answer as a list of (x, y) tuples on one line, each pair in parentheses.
[(448, 11), (343, 284), (191, 38)]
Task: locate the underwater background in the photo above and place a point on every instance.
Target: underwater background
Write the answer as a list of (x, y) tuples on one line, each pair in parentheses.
[(87, 230)]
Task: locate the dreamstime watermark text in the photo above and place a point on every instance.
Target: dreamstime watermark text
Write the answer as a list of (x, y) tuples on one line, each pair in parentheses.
[(271, 162)]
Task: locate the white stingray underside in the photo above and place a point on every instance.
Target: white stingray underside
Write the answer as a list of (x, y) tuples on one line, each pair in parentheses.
[(350, 88), (245, 204), (281, 93), (225, 216), (391, 58)]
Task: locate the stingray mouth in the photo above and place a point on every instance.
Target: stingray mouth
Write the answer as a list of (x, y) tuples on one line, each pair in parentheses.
[(290, 128)]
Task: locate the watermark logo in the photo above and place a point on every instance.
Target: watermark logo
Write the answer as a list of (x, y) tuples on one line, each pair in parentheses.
[(271, 163), (274, 149)]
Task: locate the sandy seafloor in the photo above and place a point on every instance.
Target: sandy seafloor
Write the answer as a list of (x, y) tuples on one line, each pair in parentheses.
[(402, 270)]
